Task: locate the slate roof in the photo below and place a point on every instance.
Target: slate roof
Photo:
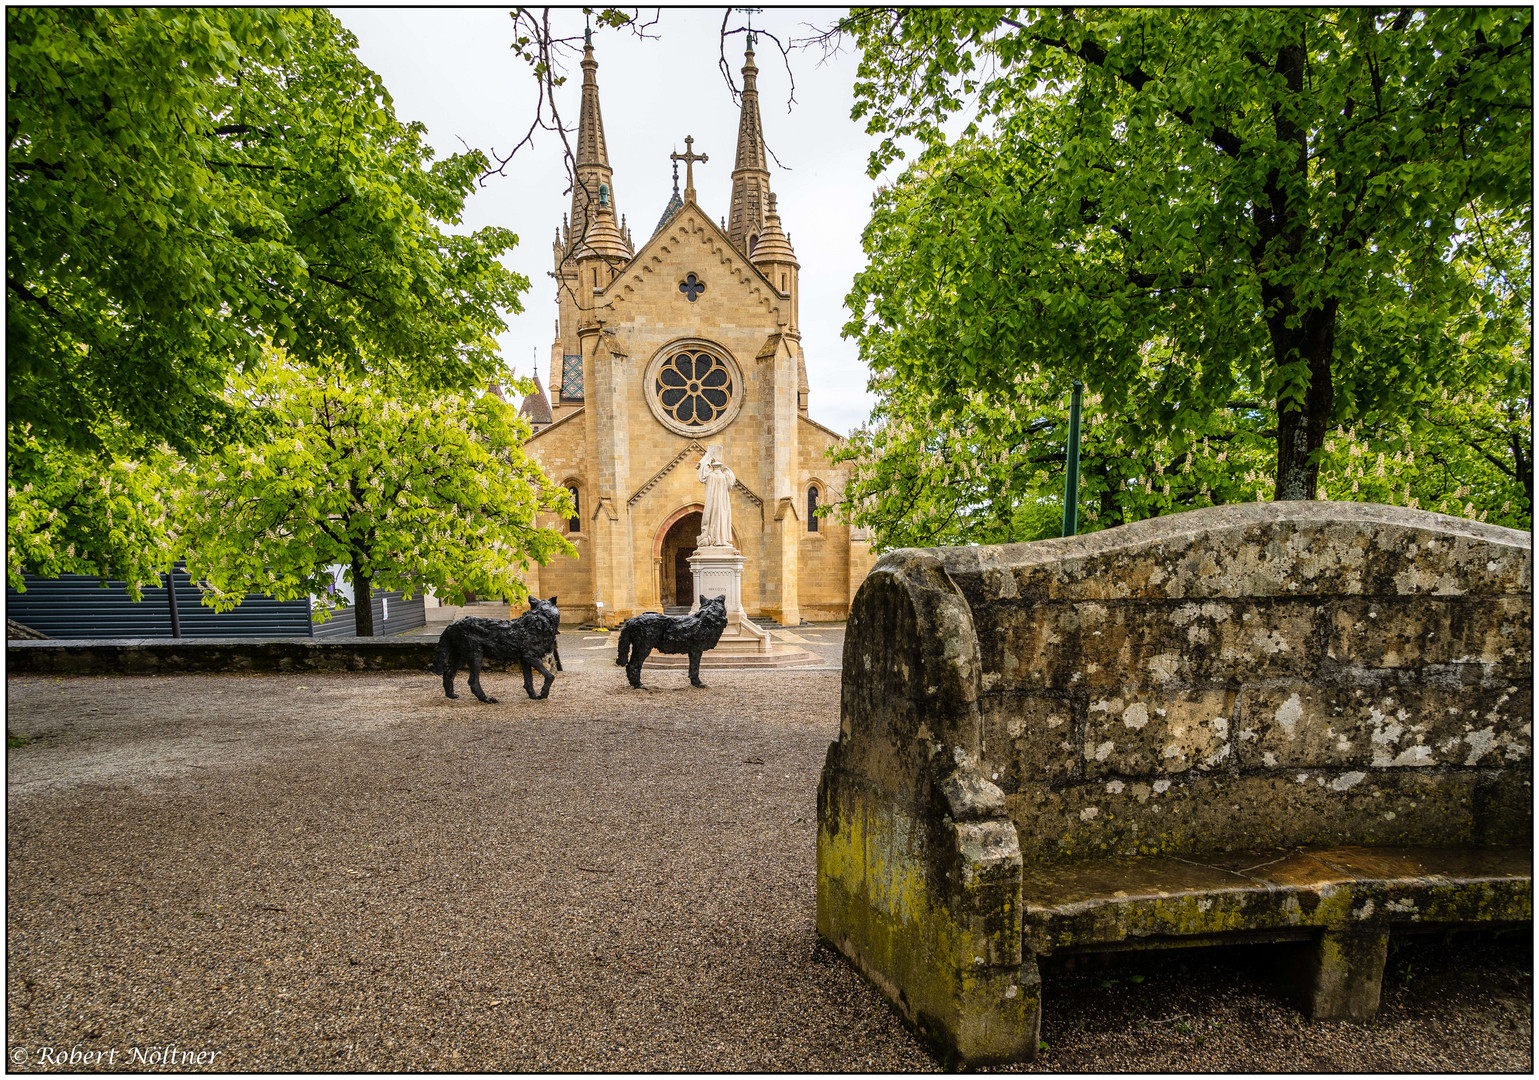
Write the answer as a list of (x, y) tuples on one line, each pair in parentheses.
[(536, 406)]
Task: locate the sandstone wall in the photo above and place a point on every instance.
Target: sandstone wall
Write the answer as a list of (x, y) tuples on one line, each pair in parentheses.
[(824, 576)]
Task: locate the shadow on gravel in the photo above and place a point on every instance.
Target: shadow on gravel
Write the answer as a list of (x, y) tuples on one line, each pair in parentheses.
[(1451, 1002)]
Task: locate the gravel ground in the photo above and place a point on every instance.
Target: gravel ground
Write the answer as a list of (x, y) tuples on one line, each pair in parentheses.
[(351, 872)]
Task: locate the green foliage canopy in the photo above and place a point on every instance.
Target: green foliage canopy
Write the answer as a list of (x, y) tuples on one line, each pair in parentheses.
[(1240, 224), (79, 512), (403, 492), (185, 185)]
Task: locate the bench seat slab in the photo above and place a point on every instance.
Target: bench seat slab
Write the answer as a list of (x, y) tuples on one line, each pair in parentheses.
[(1097, 902)]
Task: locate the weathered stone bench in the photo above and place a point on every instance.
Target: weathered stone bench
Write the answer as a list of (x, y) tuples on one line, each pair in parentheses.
[(1289, 722)]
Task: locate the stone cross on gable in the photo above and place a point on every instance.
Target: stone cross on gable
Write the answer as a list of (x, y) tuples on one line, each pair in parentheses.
[(689, 157)]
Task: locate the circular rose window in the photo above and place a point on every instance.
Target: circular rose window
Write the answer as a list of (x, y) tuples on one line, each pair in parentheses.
[(693, 389)]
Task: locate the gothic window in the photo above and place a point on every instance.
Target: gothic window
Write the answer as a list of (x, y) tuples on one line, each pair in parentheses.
[(812, 508), (753, 243), (694, 388), (574, 523)]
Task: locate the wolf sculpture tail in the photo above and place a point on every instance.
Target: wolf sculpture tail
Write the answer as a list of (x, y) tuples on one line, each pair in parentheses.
[(627, 640)]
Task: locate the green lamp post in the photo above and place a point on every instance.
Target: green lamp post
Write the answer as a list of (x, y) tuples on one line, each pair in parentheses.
[(1071, 470)]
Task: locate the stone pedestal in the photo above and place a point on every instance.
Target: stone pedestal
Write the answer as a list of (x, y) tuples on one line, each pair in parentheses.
[(718, 571)]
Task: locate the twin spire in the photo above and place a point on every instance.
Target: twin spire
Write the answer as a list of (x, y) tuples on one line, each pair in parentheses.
[(593, 195), (593, 198), (750, 174)]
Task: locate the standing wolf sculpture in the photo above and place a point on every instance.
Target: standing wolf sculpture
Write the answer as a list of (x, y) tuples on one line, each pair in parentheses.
[(693, 634), (526, 640)]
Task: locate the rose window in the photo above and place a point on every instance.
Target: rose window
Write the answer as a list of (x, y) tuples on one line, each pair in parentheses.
[(694, 388)]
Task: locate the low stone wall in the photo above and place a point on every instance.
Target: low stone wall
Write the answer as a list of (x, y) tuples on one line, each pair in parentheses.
[(130, 656), (1266, 676)]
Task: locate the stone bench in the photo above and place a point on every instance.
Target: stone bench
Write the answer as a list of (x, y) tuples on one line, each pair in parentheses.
[(1304, 724)]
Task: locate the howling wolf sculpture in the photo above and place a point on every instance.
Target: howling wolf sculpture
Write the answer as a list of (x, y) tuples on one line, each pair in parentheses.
[(693, 634), (526, 640)]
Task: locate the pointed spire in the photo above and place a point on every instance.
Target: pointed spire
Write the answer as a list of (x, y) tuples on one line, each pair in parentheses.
[(603, 237), (595, 179), (750, 175), (536, 405), (774, 246), (675, 204)]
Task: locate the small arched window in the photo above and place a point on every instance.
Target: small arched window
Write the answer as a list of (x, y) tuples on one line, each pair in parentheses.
[(812, 508), (574, 523), (753, 244)]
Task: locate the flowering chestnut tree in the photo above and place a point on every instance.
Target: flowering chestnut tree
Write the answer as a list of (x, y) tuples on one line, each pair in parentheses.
[(404, 493)]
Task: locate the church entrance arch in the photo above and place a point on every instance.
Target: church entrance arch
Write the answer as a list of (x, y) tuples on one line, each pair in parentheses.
[(675, 543)]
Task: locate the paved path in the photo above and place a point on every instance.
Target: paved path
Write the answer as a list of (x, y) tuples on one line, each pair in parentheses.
[(351, 872)]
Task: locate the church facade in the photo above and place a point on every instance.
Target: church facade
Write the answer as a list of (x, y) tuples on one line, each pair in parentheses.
[(663, 350)]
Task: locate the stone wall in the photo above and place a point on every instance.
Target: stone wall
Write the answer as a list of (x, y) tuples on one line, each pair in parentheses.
[(120, 656), (1157, 687), (1243, 677)]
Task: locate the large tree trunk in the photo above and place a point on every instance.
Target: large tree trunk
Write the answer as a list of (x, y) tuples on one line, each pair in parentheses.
[(1301, 429), (363, 605), (1307, 336)]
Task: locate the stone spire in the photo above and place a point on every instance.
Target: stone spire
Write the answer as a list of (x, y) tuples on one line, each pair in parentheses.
[(750, 174), (603, 237), (595, 179), (675, 204), (775, 259), (774, 246)]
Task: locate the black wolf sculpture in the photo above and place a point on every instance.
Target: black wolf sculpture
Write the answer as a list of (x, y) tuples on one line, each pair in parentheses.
[(526, 640), (693, 634)]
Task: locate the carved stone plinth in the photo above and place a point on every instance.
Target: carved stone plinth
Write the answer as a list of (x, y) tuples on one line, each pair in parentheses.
[(718, 571)]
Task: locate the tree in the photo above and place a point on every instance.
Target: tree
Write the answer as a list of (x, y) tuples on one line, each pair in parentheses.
[(88, 513), (403, 492), (1193, 208), (187, 185), (991, 470)]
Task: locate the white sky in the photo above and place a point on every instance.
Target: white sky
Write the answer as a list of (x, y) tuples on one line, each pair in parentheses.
[(453, 70)]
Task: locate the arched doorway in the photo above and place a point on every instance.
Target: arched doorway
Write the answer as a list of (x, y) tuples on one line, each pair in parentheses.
[(676, 582)]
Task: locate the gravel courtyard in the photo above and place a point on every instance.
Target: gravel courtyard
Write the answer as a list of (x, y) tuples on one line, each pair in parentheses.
[(351, 872)]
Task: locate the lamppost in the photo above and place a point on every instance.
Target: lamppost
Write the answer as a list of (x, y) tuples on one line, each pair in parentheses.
[(1071, 471), (176, 622)]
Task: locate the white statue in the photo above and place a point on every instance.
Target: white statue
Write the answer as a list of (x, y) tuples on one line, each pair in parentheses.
[(716, 518)]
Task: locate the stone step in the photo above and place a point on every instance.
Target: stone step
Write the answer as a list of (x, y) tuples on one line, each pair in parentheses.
[(764, 621)]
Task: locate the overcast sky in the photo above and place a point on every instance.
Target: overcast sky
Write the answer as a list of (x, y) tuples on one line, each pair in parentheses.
[(452, 70)]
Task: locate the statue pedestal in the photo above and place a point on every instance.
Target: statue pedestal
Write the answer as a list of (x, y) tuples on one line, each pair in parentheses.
[(718, 571)]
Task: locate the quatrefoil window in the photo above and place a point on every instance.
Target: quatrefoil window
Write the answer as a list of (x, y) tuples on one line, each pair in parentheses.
[(692, 287), (694, 388)]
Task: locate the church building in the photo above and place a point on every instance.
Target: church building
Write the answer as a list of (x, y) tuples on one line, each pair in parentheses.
[(688, 341)]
